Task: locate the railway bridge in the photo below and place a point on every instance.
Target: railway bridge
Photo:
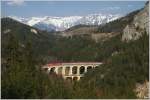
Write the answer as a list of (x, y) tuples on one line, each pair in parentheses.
[(71, 71)]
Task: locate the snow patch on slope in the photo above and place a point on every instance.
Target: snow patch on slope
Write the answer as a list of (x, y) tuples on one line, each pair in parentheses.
[(34, 31)]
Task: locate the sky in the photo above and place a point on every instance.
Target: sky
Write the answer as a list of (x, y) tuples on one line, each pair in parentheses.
[(67, 8)]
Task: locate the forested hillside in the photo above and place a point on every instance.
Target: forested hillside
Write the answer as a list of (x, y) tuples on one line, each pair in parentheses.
[(118, 25), (41, 41), (118, 76), (22, 78)]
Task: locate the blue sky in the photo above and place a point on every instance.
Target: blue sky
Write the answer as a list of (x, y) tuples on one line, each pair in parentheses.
[(67, 8)]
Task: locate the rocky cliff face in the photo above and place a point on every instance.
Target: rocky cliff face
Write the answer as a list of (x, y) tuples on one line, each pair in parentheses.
[(138, 26), (142, 90)]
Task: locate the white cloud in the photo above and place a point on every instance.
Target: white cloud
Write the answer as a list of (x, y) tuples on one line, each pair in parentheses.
[(16, 2)]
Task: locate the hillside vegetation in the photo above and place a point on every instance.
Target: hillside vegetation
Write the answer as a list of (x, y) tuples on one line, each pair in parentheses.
[(41, 42), (118, 76), (118, 25), (22, 78)]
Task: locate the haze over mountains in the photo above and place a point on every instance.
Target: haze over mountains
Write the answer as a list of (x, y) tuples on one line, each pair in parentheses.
[(50, 23)]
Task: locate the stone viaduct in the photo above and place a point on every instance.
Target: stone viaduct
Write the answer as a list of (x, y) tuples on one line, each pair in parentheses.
[(71, 71)]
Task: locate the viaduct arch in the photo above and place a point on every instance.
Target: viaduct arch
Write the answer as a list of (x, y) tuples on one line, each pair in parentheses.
[(71, 71)]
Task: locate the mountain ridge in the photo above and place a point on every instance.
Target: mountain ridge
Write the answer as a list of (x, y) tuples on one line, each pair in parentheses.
[(50, 23)]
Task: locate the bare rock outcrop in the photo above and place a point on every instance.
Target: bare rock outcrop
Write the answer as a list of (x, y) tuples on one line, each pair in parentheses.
[(141, 20), (138, 26), (142, 90)]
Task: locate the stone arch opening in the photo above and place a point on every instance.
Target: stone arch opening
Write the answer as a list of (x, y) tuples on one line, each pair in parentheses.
[(75, 78), (96, 66), (81, 78), (82, 69), (67, 70), (69, 79), (89, 68), (52, 70), (60, 70), (74, 70)]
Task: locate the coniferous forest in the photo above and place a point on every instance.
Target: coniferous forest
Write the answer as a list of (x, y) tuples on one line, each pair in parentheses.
[(23, 78)]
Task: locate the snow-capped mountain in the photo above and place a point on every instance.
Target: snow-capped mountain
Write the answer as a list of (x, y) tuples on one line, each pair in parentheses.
[(50, 23)]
